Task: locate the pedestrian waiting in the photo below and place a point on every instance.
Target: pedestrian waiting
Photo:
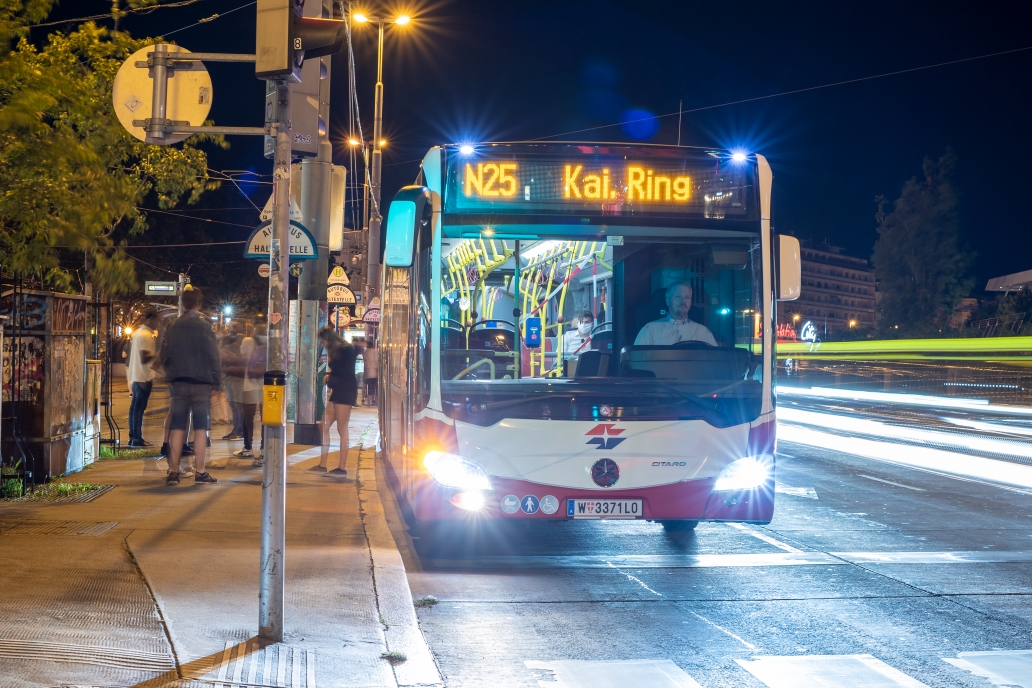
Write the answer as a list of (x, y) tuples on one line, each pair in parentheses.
[(341, 356), (190, 357), (143, 349)]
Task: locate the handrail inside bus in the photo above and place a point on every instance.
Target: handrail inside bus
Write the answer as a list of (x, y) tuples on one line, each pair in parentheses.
[(469, 369)]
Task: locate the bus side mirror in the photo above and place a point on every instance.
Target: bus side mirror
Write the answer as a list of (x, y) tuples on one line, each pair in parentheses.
[(790, 275), (408, 210)]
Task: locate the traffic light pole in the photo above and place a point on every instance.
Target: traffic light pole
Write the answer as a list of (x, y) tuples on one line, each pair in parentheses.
[(274, 478), (376, 218)]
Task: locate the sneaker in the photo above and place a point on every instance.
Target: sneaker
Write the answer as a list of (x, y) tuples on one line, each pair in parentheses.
[(209, 441), (172, 479), (205, 478), (233, 436), (166, 451), (136, 444), (318, 469), (187, 450), (258, 463), (336, 473), (243, 453)]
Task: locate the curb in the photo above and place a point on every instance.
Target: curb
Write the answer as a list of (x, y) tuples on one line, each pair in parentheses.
[(393, 596)]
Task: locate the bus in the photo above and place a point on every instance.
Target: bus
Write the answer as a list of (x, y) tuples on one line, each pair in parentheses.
[(582, 331)]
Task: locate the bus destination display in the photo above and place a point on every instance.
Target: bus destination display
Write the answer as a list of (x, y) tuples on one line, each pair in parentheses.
[(599, 185)]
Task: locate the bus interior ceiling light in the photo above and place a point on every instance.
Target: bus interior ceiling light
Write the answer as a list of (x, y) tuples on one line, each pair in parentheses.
[(743, 474), (452, 470)]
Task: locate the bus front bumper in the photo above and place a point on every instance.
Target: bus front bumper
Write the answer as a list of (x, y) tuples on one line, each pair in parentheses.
[(685, 500)]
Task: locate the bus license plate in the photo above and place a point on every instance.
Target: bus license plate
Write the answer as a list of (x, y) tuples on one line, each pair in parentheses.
[(603, 508)]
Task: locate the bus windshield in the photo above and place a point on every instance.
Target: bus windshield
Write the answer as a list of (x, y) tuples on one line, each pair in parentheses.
[(652, 324)]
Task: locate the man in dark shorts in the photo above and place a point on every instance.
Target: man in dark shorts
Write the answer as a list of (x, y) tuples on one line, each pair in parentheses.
[(190, 357)]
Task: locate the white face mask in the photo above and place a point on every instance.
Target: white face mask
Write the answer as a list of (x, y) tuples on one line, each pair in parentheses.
[(584, 329)]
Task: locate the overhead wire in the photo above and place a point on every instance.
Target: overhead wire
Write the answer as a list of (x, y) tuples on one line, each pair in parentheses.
[(792, 92), (132, 10), (209, 19)]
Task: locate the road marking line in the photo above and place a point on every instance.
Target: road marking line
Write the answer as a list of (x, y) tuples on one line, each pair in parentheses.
[(239, 664), (763, 536), (807, 492), (310, 667), (281, 670), (1001, 667), (267, 668), (692, 561), (819, 671), (889, 482), (637, 580), (724, 630), (577, 673), (223, 665), (252, 670)]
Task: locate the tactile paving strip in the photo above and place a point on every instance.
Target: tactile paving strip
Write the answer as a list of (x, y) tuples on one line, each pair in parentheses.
[(57, 527)]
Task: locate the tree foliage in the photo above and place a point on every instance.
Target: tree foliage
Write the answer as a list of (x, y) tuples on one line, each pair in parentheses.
[(69, 173), (919, 260)]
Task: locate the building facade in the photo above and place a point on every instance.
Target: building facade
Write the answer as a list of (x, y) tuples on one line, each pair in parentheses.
[(837, 294)]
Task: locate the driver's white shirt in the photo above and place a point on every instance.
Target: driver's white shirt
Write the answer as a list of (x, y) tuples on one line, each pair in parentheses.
[(667, 331)]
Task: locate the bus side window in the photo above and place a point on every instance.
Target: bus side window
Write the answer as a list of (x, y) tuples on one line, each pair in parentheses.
[(424, 321)]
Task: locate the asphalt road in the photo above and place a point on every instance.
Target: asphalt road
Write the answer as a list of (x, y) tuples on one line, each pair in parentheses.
[(871, 574)]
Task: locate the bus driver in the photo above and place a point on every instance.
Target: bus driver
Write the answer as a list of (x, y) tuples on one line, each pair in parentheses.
[(675, 327)]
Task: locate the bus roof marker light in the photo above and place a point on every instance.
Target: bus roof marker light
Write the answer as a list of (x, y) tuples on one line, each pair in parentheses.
[(738, 156), (466, 149)]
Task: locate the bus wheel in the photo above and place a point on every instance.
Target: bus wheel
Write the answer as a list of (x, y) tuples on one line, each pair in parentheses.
[(679, 526)]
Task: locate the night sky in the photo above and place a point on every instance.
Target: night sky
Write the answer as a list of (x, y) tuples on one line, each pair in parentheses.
[(481, 71)]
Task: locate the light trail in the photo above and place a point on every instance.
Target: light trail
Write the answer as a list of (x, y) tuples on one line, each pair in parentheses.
[(906, 399), (875, 428), (976, 468), (989, 427)]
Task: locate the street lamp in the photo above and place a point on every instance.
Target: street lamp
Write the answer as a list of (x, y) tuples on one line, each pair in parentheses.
[(373, 258)]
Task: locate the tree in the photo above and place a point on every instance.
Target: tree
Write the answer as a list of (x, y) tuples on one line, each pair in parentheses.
[(919, 261), (70, 175)]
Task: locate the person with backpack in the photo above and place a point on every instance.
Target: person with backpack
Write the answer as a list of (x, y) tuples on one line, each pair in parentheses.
[(190, 357)]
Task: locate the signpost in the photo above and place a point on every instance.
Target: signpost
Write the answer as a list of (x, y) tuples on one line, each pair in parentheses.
[(160, 288), (177, 106), (338, 293)]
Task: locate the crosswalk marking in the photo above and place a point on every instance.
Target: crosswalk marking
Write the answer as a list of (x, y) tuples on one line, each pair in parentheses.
[(824, 671), (760, 535), (577, 673), (228, 669), (1002, 667)]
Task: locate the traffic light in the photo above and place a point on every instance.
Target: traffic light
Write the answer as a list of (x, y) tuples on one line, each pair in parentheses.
[(285, 37)]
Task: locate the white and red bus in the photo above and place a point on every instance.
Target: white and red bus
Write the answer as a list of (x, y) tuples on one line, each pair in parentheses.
[(585, 331)]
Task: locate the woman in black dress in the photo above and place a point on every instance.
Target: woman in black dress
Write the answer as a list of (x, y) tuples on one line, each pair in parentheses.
[(341, 356)]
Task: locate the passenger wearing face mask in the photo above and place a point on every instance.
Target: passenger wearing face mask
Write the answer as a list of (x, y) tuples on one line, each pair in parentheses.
[(578, 339)]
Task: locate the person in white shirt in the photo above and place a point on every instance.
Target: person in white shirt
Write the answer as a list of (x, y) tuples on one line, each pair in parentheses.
[(577, 339), (140, 374), (675, 327)]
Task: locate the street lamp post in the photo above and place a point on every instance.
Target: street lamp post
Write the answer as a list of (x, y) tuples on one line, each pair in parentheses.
[(376, 162)]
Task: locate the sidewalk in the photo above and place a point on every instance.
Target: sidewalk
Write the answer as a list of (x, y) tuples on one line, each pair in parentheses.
[(155, 586)]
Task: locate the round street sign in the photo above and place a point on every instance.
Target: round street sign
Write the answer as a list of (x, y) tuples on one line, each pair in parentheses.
[(296, 269), (359, 311), (188, 99), (264, 270), (341, 317)]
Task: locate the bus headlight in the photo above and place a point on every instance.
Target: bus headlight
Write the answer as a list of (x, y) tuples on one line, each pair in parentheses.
[(452, 470), (744, 474)]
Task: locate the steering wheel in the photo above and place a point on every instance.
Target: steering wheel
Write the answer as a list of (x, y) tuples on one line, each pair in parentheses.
[(606, 326), (693, 344)]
